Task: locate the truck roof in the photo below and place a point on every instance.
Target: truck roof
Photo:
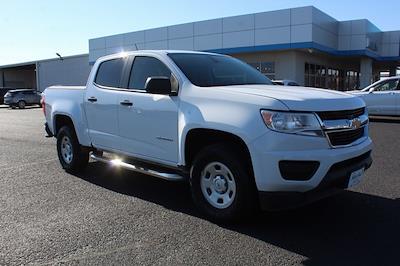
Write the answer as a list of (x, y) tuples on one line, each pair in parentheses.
[(155, 52)]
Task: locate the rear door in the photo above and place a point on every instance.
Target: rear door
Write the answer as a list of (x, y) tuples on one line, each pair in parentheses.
[(148, 123), (101, 103), (37, 97)]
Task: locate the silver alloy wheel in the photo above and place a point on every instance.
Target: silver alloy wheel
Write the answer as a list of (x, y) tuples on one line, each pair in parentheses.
[(66, 150), (218, 185)]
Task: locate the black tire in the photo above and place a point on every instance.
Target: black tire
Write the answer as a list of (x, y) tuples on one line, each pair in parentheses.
[(21, 104), (80, 154), (245, 200)]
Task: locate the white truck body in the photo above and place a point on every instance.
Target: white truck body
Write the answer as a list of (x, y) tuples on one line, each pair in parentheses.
[(154, 127)]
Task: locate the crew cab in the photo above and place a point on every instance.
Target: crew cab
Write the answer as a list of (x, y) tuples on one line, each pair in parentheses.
[(241, 142)]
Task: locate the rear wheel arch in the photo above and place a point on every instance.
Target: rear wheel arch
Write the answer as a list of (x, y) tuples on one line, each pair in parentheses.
[(61, 120)]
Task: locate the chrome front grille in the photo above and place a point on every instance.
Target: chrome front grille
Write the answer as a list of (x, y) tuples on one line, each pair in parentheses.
[(346, 137), (344, 128)]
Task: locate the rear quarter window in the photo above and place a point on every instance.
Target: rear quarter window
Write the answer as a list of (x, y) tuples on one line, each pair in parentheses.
[(109, 73)]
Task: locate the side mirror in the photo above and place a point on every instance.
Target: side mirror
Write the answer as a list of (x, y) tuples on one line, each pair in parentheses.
[(158, 85), (371, 90)]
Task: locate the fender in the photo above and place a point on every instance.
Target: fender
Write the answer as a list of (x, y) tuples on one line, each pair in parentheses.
[(76, 113)]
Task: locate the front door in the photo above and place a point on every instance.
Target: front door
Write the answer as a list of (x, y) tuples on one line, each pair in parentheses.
[(148, 123), (381, 100)]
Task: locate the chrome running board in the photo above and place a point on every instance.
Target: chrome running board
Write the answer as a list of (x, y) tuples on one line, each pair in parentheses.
[(138, 169)]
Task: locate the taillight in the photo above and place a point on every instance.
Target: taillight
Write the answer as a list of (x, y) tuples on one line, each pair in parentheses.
[(43, 103)]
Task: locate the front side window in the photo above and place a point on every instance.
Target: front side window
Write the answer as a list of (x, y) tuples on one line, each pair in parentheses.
[(145, 67), (208, 70), (110, 72), (389, 85)]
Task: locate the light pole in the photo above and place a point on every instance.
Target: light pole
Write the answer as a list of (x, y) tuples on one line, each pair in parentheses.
[(59, 56)]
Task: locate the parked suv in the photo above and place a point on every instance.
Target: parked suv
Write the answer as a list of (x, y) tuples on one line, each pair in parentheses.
[(22, 98)]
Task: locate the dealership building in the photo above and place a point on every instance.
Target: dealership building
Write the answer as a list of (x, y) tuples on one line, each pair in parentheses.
[(301, 44)]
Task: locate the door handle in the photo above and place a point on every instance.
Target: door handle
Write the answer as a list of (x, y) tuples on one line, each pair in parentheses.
[(126, 103), (92, 99)]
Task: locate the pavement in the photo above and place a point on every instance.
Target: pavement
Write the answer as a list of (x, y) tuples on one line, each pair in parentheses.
[(109, 216)]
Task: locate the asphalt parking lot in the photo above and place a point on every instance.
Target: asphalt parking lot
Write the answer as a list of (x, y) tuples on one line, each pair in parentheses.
[(108, 216)]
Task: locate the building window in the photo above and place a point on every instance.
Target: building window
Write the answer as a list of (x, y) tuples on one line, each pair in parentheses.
[(266, 68), (320, 76)]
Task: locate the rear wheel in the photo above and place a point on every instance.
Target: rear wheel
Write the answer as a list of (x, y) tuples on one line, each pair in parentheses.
[(21, 104), (221, 185), (73, 157)]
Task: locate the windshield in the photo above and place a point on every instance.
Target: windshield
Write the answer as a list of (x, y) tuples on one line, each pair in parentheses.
[(207, 70), (372, 85)]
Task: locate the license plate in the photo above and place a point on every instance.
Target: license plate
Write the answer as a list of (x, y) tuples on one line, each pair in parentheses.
[(355, 177)]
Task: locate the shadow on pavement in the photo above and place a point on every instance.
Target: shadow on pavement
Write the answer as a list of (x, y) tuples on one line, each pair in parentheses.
[(385, 119), (17, 109), (348, 229)]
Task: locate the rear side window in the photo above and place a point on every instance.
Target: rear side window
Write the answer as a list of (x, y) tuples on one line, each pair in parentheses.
[(144, 67), (110, 72)]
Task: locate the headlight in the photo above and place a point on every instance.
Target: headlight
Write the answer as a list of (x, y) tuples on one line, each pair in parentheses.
[(295, 123)]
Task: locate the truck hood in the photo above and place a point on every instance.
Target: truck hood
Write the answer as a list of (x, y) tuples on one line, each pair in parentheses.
[(301, 98), (358, 92)]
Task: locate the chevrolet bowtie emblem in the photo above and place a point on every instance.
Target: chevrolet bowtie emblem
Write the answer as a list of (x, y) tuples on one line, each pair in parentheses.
[(355, 123)]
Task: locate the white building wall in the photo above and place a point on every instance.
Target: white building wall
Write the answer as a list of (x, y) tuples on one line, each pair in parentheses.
[(281, 29), (288, 26), (71, 71)]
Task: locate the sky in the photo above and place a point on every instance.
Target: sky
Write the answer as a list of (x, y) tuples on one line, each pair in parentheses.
[(33, 30)]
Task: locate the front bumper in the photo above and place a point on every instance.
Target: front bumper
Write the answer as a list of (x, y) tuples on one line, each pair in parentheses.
[(334, 181), (269, 150), (8, 101)]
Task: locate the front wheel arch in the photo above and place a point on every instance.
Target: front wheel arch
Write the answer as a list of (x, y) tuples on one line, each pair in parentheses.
[(198, 138)]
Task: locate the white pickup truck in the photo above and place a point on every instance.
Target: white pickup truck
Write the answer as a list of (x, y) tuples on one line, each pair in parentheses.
[(213, 120)]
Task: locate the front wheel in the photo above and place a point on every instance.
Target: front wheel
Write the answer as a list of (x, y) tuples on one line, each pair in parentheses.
[(222, 186), (73, 157)]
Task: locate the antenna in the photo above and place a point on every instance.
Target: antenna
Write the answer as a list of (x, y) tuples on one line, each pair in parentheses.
[(136, 46)]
